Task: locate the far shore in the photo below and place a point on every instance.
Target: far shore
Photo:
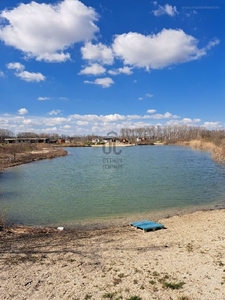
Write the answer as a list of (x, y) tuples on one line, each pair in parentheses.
[(46, 151)]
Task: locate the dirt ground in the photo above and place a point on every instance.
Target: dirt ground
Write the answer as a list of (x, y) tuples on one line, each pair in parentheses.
[(184, 261), (16, 154)]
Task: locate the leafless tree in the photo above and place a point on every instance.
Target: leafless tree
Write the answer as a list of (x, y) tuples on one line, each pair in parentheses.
[(5, 133)]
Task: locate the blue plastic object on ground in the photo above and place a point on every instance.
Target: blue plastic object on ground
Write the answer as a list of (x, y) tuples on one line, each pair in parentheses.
[(147, 225)]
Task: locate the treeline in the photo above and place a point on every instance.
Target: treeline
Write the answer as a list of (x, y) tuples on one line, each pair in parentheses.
[(166, 134), (5, 133), (173, 134)]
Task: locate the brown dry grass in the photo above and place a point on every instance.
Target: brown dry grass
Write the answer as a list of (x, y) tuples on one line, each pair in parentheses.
[(17, 154), (217, 152)]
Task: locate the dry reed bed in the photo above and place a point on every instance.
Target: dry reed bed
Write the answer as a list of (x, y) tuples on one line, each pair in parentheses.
[(217, 152)]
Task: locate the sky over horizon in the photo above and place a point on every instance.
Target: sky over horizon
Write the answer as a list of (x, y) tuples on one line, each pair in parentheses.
[(89, 67)]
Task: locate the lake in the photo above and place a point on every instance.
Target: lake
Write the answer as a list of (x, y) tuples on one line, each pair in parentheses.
[(89, 185)]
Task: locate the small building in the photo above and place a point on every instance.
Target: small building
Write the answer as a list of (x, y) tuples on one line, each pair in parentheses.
[(110, 139), (95, 140), (61, 141)]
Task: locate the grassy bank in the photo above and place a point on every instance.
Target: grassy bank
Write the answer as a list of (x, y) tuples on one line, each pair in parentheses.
[(217, 151)]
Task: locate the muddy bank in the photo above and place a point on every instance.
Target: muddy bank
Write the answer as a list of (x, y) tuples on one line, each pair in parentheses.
[(14, 155)]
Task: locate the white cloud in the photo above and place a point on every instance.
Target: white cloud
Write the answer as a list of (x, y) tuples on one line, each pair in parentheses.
[(82, 123), (104, 82), (54, 112), (149, 95), (27, 122), (97, 124), (15, 66), (1, 74), (54, 57), (151, 111), (25, 75), (55, 121), (167, 115), (22, 111), (158, 51), (99, 118), (185, 121), (43, 98), (140, 98), (212, 125), (30, 77), (51, 129), (98, 52), (125, 70), (94, 69), (189, 120), (212, 43), (45, 31), (66, 127), (165, 10)]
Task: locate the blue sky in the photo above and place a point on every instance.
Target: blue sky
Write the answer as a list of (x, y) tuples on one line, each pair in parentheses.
[(89, 67)]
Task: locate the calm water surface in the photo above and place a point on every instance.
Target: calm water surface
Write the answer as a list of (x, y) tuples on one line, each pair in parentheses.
[(90, 185)]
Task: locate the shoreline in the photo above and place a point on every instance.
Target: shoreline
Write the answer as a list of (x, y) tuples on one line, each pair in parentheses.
[(106, 223), (112, 220), (187, 259), (217, 152), (41, 153)]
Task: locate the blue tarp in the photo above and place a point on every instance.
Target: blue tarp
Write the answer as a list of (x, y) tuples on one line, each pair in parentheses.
[(147, 225)]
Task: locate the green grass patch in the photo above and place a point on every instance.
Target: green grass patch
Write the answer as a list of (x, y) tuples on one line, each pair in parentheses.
[(173, 285)]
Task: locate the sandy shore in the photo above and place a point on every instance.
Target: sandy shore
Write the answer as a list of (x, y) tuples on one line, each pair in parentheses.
[(184, 261)]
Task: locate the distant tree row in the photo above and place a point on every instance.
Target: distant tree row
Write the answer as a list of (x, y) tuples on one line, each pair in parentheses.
[(166, 133), (172, 133), (5, 133)]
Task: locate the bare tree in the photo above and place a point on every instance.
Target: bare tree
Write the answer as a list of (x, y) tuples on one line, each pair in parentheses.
[(27, 135), (5, 133)]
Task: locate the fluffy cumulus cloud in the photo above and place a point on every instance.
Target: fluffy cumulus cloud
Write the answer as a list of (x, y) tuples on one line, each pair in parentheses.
[(168, 47), (15, 66), (82, 123), (151, 111), (165, 10), (125, 70), (25, 75), (167, 115), (98, 52), (30, 77), (22, 111), (45, 31), (94, 69), (92, 123), (185, 121), (212, 125), (2, 74), (54, 112), (103, 82)]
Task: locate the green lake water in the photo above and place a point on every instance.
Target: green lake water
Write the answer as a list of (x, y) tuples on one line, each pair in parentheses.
[(91, 186)]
